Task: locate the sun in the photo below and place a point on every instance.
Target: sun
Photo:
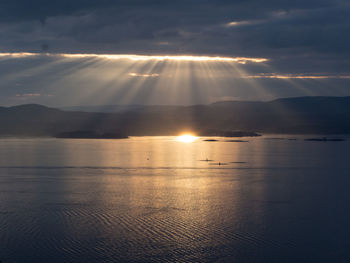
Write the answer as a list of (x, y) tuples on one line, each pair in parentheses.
[(187, 138)]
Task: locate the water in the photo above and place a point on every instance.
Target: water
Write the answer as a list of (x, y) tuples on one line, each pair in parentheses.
[(154, 200)]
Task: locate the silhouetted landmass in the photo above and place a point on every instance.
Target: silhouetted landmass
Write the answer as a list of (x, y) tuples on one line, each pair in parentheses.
[(325, 140), (235, 141), (304, 115), (103, 108), (218, 133), (90, 135), (213, 140)]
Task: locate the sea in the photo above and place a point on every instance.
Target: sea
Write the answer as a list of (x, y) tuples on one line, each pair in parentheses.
[(275, 198)]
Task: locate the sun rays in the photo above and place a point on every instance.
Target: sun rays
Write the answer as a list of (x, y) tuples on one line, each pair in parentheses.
[(95, 79)]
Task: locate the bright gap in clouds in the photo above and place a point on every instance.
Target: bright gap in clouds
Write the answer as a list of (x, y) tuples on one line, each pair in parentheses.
[(133, 57)]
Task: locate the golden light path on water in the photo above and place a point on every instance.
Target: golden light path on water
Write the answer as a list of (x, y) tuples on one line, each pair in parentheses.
[(134, 57)]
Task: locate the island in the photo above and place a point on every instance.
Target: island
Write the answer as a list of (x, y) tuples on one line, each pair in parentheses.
[(219, 133), (325, 139), (235, 141)]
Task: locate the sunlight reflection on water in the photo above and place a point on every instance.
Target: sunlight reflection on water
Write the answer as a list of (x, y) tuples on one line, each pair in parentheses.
[(158, 200)]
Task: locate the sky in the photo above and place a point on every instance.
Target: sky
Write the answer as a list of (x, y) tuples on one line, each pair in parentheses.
[(84, 52)]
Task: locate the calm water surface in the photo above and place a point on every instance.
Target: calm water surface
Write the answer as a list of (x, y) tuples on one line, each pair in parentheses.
[(152, 199)]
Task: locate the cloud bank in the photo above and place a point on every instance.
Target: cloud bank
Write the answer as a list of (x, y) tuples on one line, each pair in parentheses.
[(306, 42)]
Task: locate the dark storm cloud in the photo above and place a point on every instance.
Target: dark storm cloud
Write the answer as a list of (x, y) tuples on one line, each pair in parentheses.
[(189, 26), (273, 28), (40, 9), (21, 10), (132, 24)]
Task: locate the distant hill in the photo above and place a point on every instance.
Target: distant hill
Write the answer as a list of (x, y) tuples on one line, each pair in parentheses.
[(103, 108), (302, 115)]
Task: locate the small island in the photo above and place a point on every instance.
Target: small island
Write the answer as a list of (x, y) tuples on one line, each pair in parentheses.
[(235, 141), (325, 139), (219, 133), (90, 135)]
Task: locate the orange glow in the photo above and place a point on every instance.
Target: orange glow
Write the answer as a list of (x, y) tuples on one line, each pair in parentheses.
[(154, 75), (187, 138)]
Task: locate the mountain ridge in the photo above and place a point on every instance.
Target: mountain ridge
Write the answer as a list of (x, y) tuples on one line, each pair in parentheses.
[(299, 115)]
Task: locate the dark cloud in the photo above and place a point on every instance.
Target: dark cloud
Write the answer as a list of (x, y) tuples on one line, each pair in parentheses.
[(22, 10), (186, 26)]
